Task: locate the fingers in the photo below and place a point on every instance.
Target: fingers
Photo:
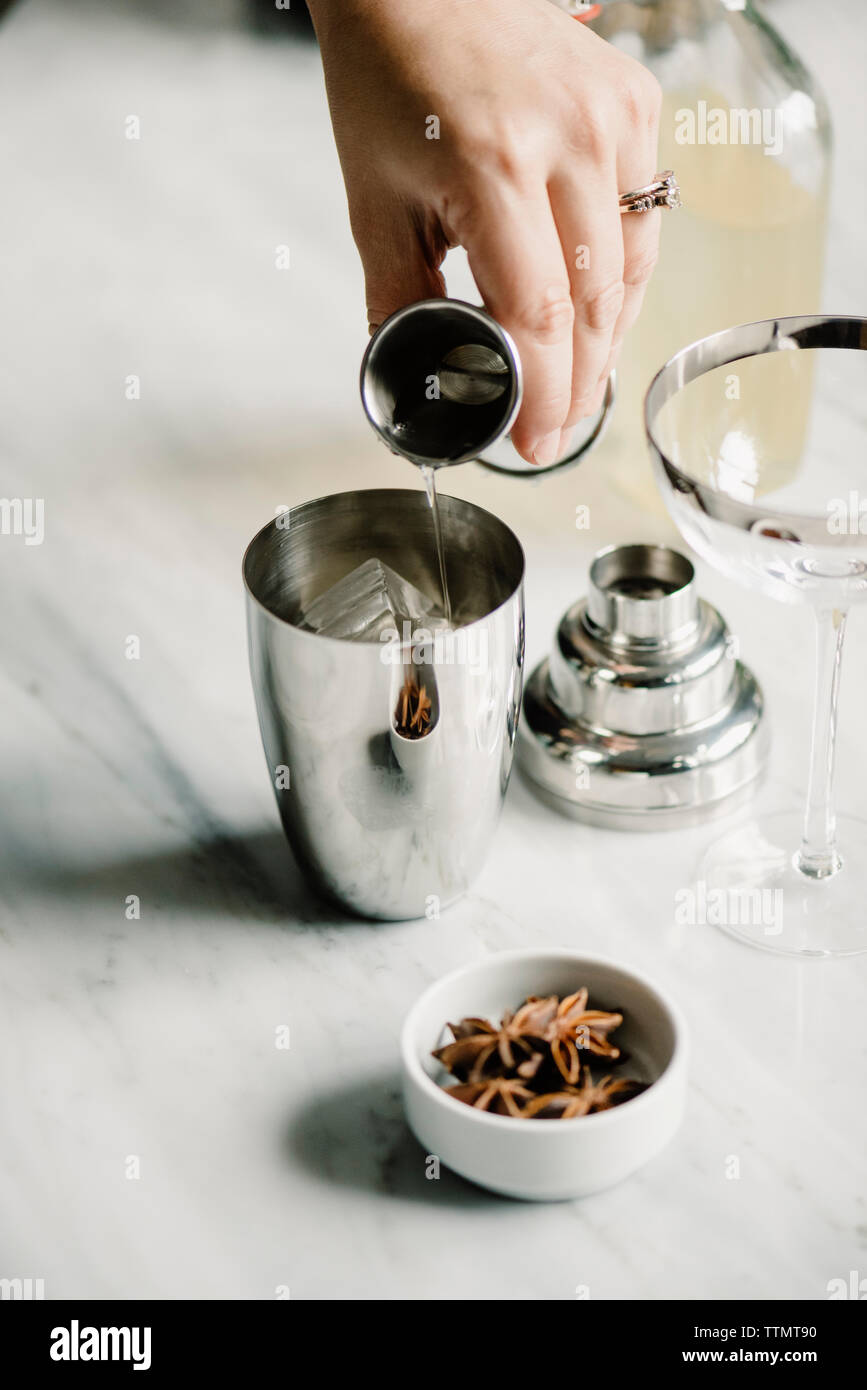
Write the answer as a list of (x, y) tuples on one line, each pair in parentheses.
[(400, 261), (640, 246), (637, 165), (640, 252), (588, 222), (517, 262)]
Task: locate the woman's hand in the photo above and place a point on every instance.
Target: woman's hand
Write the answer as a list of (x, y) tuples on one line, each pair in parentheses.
[(506, 127)]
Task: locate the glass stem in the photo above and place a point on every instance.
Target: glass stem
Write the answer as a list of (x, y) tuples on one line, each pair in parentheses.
[(818, 857)]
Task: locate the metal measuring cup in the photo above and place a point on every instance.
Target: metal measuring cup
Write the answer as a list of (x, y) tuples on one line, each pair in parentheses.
[(441, 384)]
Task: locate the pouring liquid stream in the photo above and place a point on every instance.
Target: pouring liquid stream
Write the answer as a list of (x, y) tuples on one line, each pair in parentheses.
[(429, 477), (475, 376)]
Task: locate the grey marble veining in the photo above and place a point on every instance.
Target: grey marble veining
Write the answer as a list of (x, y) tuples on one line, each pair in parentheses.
[(152, 1039)]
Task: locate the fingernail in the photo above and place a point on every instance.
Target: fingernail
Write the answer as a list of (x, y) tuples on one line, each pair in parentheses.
[(565, 442), (545, 451)]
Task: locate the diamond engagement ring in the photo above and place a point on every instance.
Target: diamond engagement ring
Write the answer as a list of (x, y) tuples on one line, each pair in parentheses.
[(663, 192)]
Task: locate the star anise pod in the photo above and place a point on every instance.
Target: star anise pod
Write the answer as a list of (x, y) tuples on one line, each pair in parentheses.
[(412, 716), (587, 1099), (614, 1090), (576, 1029), (500, 1095), (509, 1044)]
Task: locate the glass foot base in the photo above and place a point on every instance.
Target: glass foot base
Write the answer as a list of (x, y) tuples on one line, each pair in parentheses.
[(754, 891)]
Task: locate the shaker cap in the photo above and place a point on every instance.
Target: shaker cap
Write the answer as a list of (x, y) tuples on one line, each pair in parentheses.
[(642, 717)]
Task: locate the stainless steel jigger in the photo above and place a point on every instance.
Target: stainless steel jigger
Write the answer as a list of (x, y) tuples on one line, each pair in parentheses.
[(441, 383), (642, 718)]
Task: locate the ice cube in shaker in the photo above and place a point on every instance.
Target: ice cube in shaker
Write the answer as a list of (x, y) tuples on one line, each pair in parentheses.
[(368, 601)]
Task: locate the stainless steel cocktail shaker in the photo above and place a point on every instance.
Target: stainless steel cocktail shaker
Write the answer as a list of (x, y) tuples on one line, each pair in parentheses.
[(389, 826)]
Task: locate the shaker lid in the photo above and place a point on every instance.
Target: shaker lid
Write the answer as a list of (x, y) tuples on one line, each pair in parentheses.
[(642, 717)]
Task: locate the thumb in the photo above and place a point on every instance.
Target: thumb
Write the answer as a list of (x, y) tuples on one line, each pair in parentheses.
[(400, 257)]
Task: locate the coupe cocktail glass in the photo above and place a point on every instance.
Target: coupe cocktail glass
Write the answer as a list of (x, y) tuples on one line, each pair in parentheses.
[(794, 528)]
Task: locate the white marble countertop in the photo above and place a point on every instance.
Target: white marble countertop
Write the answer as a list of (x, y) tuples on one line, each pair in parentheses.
[(154, 1039)]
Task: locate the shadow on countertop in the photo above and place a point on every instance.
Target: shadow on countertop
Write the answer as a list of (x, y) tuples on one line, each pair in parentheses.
[(356, 1136), (249, 876)]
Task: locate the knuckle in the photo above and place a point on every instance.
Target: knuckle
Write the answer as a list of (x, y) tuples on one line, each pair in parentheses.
[(591, 134), (555, 403), (601, 309), (633, 108), (550, 317), (461, 212), (642, 97), (506, 159), (640, 268), (652, 97), (500, 150)]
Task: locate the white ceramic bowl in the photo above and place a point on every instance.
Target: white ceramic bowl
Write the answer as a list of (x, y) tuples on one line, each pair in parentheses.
[(546, 1160)]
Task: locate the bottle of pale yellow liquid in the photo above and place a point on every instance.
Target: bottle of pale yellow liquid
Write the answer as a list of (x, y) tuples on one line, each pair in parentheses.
[(748, 135)]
